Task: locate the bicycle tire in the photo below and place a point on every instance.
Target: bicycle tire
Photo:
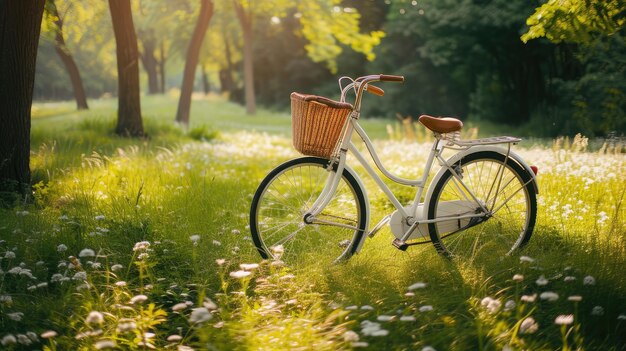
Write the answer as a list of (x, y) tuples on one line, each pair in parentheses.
[(506, 230), (281, 201)]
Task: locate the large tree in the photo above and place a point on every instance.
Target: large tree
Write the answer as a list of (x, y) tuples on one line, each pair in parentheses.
[(66, 56), (193, 52), (129, 121), (20, 25)]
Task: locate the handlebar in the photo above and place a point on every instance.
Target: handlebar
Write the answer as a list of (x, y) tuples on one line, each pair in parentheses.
[(391, 78)]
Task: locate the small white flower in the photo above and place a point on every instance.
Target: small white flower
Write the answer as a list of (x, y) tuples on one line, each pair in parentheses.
[(138, 299), (526, 259), (99, 218), (385, 318), (220, 261), (23, 340), (575, 298), (350, 336), (597, 311), (141, 246), (491, 305), (351, 308), (367, 308), (425, 308), (8, 339), (199, 315), (358, 344), (179, 307), (49, 334), (621, 317), (240, 274), (549, 296), (428, 348), (94, 317), (418, 285), (407, 319), (61, 248), (209, 304), (16, 316), (518, 277), (509, 305), (194, 238), (528, 326), (121, 283), (236, 231), (217, 243), (249, 266), (9, 255), (80, 276), (32, 336), (6, 299), (174, 338), (528, 298), (542, 281), (569, 278), (116, 267), (564, 319), (87, 253), (589, 280), (105, 344), (380, 332)]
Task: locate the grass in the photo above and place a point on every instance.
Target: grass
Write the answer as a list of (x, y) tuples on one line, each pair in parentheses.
[(139, 244)]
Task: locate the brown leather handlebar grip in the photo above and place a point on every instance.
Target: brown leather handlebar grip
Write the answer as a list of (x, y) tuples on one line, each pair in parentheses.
[(375, 90), (390, 78)]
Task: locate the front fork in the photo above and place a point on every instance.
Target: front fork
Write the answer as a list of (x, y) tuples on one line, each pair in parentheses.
[(335, 168)]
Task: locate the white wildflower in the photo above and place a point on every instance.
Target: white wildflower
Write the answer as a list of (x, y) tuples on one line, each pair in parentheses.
[(209, 304), (217, 243), (418, 285), (179, 307), (94, 317), (138, 299), (569, 278), (367, 308), (575, 298), (249, 266), (589, 280), (350, 336), (528, 326), (428, 348), (407, 318), (61, 248), (9, 255), (87, 253), (8, 339), (549, 296), (121, 283), (564, 319), (526, 259), (194, 239), (174, 338), (351, 308), (425, 308), (126, 326), (358, 344), (239, 274), (528, 298), (6, 299), (509, 305), (491, 305), (518, 277), (32, 336), (15, 316), (542, 281), (23, 340), (199, 315), (597, 311), (621, 317), (116, 267), (80, 276), (385, 318), (141, 246), (99, 217), (220, 261), (49, 334), (105, 344)]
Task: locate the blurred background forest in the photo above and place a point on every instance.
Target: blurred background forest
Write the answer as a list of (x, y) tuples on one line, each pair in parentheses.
[(553, 70)]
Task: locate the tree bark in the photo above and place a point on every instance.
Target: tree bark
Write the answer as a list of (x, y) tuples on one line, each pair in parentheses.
[(68, 61), (245, 19), (20, 25), (206, 87), (149, 61), (193, 53), (129, 121)]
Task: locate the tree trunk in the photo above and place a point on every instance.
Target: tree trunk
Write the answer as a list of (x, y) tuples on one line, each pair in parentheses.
[(162, 67), (129, 121), (20, 25), (248, 71), (149, 61), (226, 74), (68, 61), (205, 81), (193, 53)]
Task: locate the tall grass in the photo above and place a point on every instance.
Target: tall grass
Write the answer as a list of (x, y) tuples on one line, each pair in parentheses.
[(134, 244)]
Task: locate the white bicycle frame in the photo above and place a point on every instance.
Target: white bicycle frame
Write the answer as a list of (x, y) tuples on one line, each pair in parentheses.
[(409, 213)]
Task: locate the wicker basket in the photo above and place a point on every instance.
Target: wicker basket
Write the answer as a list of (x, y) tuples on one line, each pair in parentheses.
[(317, 123)]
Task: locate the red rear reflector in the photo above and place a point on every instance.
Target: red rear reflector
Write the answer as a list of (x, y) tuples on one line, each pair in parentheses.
[(535, 169)]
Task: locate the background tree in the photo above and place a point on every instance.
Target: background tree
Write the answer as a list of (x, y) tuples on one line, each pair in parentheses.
[(193, 52), (20, 25), (65, 55), (129, 121)]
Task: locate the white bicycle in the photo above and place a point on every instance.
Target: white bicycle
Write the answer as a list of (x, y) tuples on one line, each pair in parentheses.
[(482, 201)]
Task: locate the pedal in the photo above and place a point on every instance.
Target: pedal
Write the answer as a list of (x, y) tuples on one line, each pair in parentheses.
[(399, 244)]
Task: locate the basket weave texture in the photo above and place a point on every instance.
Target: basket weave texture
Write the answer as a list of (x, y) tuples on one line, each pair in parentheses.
[(317, 123)]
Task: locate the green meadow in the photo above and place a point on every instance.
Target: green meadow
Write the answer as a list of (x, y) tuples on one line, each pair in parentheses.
[(137, 244)]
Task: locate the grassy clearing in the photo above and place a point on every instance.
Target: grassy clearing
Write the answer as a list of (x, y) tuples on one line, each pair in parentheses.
[(139, 244)]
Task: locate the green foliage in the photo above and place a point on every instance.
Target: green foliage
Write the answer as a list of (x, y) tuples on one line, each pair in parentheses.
[(576, 21)]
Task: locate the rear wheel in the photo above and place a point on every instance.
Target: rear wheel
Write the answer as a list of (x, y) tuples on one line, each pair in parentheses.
[(279, 206), (491, 211)]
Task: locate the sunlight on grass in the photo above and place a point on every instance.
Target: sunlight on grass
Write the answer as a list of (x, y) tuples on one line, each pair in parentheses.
[(140, 243)]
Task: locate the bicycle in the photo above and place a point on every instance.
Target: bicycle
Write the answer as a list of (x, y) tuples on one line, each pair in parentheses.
[(481, 201)]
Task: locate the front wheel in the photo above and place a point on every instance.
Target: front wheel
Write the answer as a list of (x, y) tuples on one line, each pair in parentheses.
[(284, 197), (487, 208)]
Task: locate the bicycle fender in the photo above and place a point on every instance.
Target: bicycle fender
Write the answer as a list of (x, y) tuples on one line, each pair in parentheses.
[(367, 207), (455, 158)]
